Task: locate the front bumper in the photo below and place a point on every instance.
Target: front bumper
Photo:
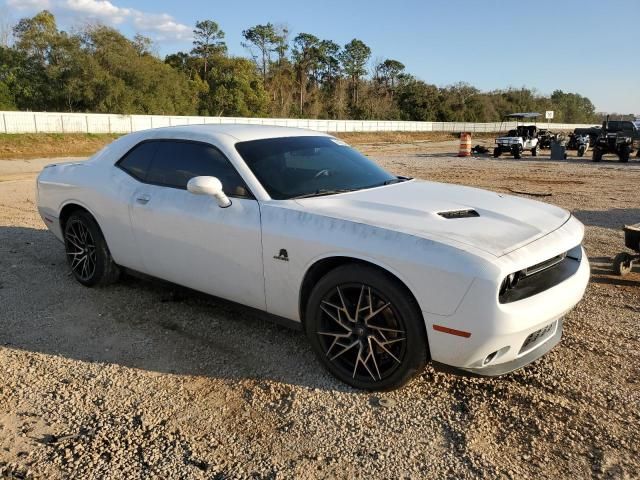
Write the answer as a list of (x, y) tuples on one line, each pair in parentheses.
[(51, 221), (507, 367), (501, 331)]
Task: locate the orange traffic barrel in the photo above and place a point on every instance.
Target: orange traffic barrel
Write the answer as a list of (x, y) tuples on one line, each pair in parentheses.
[(465, 145)]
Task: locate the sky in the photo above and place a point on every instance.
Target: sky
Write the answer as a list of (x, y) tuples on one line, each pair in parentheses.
[(589, 47)]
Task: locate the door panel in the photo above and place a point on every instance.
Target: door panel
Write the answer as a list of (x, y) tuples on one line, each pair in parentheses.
[(111, 199), (189, 240)]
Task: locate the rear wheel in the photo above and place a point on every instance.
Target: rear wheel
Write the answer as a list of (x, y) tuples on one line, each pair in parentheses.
[(597, 154), (365, 328), (622, 264), (87, 252), (625, 153)]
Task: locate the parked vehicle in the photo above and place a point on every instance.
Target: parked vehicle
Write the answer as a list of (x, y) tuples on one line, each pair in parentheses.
[(620, 137), (545, 137), (523, 137), (382, 272), (581, 139)]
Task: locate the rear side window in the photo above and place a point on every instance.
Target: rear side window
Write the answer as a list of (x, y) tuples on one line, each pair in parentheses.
[(175, 163), (137, 162)]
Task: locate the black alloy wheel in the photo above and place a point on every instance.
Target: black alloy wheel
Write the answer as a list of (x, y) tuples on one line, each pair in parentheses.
[(365, 328), (81, 249), (361, 332), (87, 253)]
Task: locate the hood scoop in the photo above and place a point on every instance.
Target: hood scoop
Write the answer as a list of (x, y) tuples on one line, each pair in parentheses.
[(459, 214)]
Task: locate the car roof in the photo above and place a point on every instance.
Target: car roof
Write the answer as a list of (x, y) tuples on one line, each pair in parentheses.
[(241, 132), (213, 133)]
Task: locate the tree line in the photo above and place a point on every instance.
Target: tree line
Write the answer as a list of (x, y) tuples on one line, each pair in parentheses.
[(98, 69)]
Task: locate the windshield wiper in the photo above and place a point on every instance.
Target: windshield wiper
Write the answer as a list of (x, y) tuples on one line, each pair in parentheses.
[(322, 192), (396, 180)]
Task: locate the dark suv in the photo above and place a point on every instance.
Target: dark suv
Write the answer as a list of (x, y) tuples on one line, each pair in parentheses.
[(621, 137)]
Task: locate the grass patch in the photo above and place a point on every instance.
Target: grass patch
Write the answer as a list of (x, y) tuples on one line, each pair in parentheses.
[(35, 145)]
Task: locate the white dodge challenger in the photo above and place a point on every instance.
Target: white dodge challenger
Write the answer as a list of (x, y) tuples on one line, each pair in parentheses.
[(383, 273)]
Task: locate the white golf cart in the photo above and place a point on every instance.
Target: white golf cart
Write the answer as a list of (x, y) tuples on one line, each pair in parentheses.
[(523, 137)]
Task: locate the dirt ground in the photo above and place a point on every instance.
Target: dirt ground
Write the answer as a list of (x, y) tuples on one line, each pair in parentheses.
[(141, 380)]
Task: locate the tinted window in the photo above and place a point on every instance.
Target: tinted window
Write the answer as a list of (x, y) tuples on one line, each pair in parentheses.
[(138, 160), (295, 166), (619, 125), (175, 163)]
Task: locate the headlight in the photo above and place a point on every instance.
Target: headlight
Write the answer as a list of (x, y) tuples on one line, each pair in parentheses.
[(527, 282), (510, 281)]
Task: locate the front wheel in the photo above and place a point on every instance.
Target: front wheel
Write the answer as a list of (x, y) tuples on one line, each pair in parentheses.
[(365, 328), (496, 152), (622, 264), (534, 151), (87, 252), (517, 154), (581, 150)]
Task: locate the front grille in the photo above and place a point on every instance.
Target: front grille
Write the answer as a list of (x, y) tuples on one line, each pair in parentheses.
[(536, 338), (539, 267)]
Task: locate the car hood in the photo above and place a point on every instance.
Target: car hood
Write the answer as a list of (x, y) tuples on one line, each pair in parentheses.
[(508, 139), (504, 222)]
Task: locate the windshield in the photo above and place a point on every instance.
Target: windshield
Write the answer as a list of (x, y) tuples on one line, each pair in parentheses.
[(292, 167)]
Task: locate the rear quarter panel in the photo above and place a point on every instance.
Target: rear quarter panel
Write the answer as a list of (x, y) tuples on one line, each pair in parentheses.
[(101, 189)]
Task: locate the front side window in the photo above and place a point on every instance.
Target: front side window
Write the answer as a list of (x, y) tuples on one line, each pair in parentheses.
[(292, 167), (172, 163)]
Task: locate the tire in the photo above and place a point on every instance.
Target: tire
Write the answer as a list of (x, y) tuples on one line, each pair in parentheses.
[(597, 154), (534, 152), (87, 253), (496, 152), (517, 154), (581, 150), (398, 352), (622, 264), (624, 154)]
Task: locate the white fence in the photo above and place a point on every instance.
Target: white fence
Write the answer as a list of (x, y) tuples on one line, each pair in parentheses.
[(49, 122)]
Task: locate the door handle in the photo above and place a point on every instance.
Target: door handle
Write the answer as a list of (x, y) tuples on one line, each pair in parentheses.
[(143, 199)]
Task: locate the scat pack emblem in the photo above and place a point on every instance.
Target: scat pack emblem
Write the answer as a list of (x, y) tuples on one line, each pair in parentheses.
[(283, 255)]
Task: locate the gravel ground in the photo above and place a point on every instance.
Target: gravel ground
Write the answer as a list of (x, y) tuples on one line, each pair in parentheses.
[(142, 380)]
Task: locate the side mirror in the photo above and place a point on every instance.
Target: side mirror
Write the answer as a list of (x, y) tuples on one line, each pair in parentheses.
[(209, 186)]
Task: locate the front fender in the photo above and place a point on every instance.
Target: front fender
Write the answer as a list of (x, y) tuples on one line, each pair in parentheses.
[(438, 275)]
